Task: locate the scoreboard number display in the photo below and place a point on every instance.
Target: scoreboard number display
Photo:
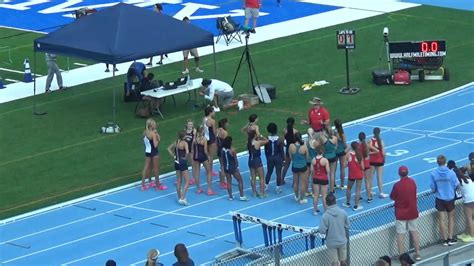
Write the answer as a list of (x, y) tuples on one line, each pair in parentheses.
[(417, 49), (345, 39)]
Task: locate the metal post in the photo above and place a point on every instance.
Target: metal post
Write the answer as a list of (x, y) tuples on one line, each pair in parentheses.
[(347, 68)]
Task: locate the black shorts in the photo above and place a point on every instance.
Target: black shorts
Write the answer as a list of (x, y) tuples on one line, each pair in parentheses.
[(332, 160), (230, 171), (376, 164), (201, 159), (299, 170), (182, 165), (444, 206), (255, 163), (320, 182), (340, 154), (147, 154), (210, 142)]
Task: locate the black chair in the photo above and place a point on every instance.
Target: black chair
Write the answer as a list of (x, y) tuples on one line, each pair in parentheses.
[(228, 30)]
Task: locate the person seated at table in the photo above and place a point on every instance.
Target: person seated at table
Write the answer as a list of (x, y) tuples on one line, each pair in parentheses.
[(219, 93), (149, 83), (135, 75)]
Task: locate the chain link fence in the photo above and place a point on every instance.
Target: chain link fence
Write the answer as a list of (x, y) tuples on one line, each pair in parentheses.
[(371, 235)]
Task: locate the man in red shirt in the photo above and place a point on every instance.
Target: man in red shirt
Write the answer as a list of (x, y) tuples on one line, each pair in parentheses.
[(406, 211), (318, 116), (251, 8)]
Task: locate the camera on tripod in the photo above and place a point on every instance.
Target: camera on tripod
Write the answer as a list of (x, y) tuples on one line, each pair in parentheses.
[(385, 33), (247, 29)]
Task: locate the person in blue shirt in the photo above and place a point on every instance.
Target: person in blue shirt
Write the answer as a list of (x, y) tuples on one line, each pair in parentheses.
[(136, 73), (443, 183)]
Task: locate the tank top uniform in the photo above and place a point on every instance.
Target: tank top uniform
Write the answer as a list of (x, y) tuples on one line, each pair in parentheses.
[(150, 149), (298, 162), (376, 159), (180, 161), (355, 173), (274, 149), (311, 152), (255, 159), (189, 138), (219, 142), (229, 161), (330, 151), (320, 175), (199, 154), (366, 158), (209, 133), (340, 150)]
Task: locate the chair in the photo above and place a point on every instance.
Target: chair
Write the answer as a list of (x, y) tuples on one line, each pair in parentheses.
[(228, 30)]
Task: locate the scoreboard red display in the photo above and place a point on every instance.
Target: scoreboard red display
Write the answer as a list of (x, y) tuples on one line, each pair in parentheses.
[(345, 39), (413, 49)]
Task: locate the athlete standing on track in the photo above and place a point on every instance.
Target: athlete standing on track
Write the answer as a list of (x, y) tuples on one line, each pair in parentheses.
[(320, 167), (179, 150), (289, 135), (364, 151), (341, 150), (377, 159), (355, 163), (151, 139), (200, 156), (329, 141), (221, 135), (254, 143), (190, 134), (274, 153), (231, 168), (298, 154), (210, 133)]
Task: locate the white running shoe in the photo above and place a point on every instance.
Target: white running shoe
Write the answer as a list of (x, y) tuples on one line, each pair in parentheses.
[(216, 109), (240, 105), (199, 70), (358, 208), (383, 195), (244, 198), (185, 72), (279, 190), (303, 201)]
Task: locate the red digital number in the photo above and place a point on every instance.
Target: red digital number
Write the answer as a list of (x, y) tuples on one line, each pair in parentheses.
[(431, 47), (341, 39)]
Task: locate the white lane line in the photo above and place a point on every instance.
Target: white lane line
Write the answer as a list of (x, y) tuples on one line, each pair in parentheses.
[(80, 64), (13, 80), (164, 212), (17, 71)]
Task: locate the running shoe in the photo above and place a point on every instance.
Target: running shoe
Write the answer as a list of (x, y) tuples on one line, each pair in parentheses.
[(240, 105), (148, 64), (347, 205), (161, 187), (192, 181), (210, 192), (266, 187), (199, 70), (417, 257), (445, 243), (308, 194), (230, 198), (199, 191), (244, 198), (296, 198), (151, 184), (160, 62), (467, 239), (358, 208), (217, 109), (316, 212), (144, 187), (463, 235), (383, 195), (223, 185), (185, 72), (183, 202), (303, 201), (341, 187), (262, 196), (452, 242), (369, 200), (279, 190)]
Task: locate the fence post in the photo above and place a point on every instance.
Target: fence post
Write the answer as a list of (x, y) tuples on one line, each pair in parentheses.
[(348, 260), (277, 256)]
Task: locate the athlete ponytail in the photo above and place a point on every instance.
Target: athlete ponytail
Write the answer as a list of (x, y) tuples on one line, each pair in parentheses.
[(298, 138), (365, 150), (338, 126), (355, 148), (377, 137)]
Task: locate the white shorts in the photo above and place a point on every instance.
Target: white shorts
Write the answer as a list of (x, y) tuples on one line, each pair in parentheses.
[(194, 52), (337, 254), (251, 12), (402, 226)]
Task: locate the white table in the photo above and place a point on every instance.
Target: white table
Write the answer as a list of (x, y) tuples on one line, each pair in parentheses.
[(159, 93)]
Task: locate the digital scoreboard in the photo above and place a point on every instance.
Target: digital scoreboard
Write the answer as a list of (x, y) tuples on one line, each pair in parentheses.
[(417, 49)]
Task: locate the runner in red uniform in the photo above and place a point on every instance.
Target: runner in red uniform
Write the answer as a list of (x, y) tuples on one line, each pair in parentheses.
[(320, 167), (377, 160), (355, 164), (364, 151)]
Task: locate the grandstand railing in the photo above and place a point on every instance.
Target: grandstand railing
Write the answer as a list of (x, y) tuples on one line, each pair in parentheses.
[(371, 235)]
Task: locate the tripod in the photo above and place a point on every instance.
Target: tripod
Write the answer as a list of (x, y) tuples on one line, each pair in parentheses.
[(385, 45), (251, 67)]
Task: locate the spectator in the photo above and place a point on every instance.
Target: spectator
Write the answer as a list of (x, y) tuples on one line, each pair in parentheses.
[(193, 52), (467, 191), (275, 156), (252, 8), (335, 225), (53, 69), (443, 183), (158, 8), (406, 260), (318, 116), (110, 263), (135, 75), (406, 211), (218, 92), (182, 255), (152, 258), (387, 259), (381, 262)]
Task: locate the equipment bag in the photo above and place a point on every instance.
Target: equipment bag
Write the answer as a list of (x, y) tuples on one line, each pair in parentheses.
[(401, 77), (381, 77)]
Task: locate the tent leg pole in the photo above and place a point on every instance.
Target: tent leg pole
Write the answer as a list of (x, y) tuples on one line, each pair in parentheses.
[(35, 112), (114, 106), (214, 58)]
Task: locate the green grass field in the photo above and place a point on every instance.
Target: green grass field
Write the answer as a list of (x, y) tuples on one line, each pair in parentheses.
[(61, 156)]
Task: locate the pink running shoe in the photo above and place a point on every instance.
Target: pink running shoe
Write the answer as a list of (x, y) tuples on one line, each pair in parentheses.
[(223, 185), (161, 187), (151, 184), (192, 181), (214, 173), (211, 193), (144, 187), (199, 191)]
